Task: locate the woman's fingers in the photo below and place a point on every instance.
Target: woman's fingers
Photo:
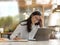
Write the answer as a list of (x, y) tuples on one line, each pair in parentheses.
[(17, 38), (41, 17)]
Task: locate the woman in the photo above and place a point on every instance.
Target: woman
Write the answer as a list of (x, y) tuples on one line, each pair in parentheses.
[(28, 28)]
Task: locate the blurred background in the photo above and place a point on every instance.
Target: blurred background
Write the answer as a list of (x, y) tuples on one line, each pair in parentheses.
[(12, 12)]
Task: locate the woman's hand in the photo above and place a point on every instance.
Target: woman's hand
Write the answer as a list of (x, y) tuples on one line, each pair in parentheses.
[(41, 18), (41, 21), (17, 38)]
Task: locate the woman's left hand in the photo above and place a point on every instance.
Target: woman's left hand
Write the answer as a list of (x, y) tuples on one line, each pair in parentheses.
[(41, 18)]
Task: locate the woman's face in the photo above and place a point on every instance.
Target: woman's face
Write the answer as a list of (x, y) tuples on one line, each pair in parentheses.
[(35, 18)]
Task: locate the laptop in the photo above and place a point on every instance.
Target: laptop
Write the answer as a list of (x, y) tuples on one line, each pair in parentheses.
[(42, 34)]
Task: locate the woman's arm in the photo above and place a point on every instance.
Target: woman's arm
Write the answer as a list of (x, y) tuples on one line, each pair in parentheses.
[(17, 31)]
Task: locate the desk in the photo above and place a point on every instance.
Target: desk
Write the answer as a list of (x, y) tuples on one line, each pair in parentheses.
[(50, 42)]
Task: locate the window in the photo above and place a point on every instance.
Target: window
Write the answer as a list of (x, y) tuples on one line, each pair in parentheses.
[(8, 8)]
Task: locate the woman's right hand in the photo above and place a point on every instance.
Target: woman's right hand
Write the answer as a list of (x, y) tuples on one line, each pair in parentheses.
[(17, 38)]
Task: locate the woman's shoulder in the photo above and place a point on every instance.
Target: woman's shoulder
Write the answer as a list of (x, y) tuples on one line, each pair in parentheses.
[(23, 23)]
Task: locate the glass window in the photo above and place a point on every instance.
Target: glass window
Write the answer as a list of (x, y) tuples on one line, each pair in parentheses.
[(8, 8)]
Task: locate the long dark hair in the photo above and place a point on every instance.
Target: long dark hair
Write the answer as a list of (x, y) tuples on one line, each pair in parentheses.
[(29, 22)]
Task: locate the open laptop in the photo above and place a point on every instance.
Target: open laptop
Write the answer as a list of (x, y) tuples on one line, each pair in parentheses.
[(42, 34)]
